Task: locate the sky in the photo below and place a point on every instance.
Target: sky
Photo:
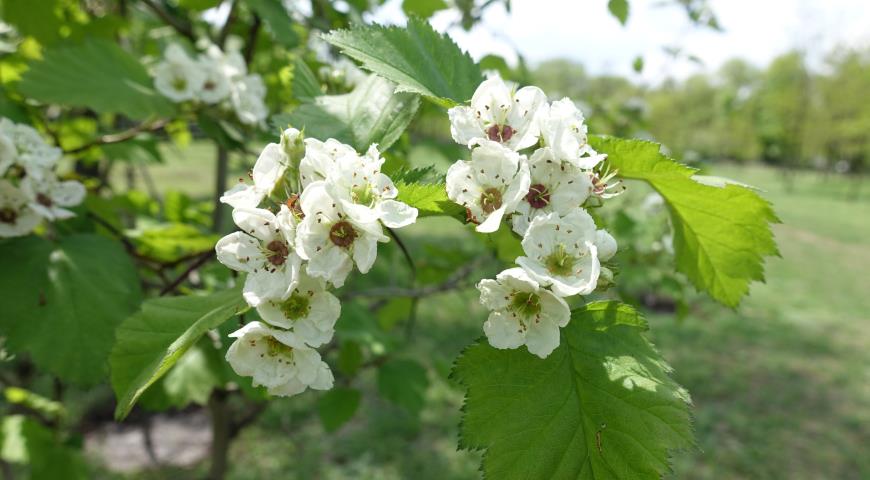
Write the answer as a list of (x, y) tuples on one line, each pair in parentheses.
[(583, 30)]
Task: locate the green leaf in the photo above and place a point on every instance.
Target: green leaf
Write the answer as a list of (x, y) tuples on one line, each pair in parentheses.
[(619, 9), (35, 18), (404, 382), (430, 199), (337, 406), (423, 8), (26, 441), (65, 301), (97, 74), (416, 57), (191, 380), (305, 85), (198, 5), (171, 242), (49, 409), (150, 342), (637, 64), (371, 113), (721, 234), (277, 20), (350, 358), (601, 406)]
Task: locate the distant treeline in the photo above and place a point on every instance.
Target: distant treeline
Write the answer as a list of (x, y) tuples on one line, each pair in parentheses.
[(784, 115)]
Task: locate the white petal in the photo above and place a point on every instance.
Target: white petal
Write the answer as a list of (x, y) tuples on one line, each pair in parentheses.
[(503, 331), (365, 251), (396, 214), (606, 245), (68, 194), (542, 337), (269, 168), (257, 222), (493, 295), (239, 251), (332, 264), (492, 222), (242, 196), (464, 126)]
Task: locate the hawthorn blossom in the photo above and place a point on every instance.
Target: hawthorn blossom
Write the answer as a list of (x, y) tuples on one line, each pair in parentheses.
[(216, 85), (490, 185), (331, 240), (603, 184), (248, 99), (265, 250), (556, 186), (178, 77), (309, 311), (17, 218), (500, 114), (323, 157), (522, 313), (268, 172), (278, 360), (22, 145), (49, 196), (561, 253), (563, 131), (605, 244), (366, 194)]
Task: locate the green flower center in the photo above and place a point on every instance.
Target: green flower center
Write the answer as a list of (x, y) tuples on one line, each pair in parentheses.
[(527, 304), (274, 348), (179, 83), (560, 262), (490, 200), (363, 195), (296, 307)]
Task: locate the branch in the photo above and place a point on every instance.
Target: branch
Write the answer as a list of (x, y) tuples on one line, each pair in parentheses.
[(454, 282), (128, 134), (182, 28), (203, 259), (251, 41)]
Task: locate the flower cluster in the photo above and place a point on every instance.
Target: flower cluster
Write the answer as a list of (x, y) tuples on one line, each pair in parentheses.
[(531, 166), (315, 209), (214, 77), (29, 188)]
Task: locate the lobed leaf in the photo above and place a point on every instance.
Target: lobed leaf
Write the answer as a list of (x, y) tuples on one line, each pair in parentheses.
[(150, 342), (721, 233), (65, 300), (415, 57), (601, 406), (96, 74)]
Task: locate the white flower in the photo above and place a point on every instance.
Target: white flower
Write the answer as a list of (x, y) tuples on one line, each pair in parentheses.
[(556, 186), (268, 172), (178, 77), (561, 253), (500, 114), (29, 150), (264, 249), (331, 240), (309, 311), (323, 157), (523, 313), (16, 216), (490, 185), (229, 62), (216, 84), (277, 360), (366, 194), (48, 196), (605, 244), (563, 131), (248, 99)]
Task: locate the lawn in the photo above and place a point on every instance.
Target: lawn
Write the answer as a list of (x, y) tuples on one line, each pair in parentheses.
[(781, 385)]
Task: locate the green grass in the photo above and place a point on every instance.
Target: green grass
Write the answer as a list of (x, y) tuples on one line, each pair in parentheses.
[(780, 384)]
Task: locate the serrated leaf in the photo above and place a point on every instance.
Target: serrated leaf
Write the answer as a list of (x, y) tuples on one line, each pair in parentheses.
[(430, 199), (96, 74), (415, 57), (151, 341), (337, 406), (721, 234), (66, 299), (601, 406), (277, 19), (619, 9), (404, 382), (371, 113)]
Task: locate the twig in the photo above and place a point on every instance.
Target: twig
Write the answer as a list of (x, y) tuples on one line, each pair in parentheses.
[(203, 259), (251, 41), (128, 134), (412, 314), (182, 28), (454, 282)]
